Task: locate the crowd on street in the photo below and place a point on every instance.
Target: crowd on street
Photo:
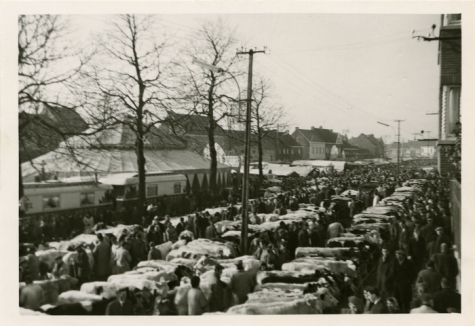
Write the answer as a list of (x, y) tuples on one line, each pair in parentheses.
[(415, 270)]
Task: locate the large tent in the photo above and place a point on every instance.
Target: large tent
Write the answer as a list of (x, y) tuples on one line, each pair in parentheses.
[(321, 164), (113, 151)]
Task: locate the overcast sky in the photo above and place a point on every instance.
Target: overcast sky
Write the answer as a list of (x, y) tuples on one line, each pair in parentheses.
[(338, 71)]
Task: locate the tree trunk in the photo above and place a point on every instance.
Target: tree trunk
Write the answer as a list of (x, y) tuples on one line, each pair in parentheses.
[(211, 142), (140, 165), (212, 153)]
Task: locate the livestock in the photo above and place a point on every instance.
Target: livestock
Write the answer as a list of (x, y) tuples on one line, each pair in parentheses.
[(207, 263), (154, 276), (77, 296), (266, 295), (197, 248), (53, 288), (72, 256), (264, 277), (312, 263), (164, 248), (104, 289), (307, 305), (49, 256), (327, 252)]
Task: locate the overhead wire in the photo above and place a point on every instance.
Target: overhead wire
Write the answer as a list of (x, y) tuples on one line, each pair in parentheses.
[(272, 71)]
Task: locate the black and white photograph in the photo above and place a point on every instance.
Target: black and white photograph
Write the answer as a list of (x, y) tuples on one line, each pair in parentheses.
[(201, 161)]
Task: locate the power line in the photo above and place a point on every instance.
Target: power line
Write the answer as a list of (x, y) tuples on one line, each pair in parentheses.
[(314, 84), (312, 95)]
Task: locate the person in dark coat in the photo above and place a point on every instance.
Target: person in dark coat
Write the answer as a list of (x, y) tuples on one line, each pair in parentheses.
[(303, 240), (211, 232), (102, 257), (218, 289), (446, 264), (154, 234), (83, 267), (379, 305), (429, 278), (154, 253), (417, 251), (447, 298), (120, 306), (385, 273), (404, 276), (180, 227), (441, 238)]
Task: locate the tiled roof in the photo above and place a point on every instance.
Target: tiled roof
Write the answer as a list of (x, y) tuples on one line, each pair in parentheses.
[(193, 123), (122, 136), (319, 135)]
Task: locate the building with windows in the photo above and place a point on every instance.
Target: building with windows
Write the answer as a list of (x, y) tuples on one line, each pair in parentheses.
[(317, 143), (370, 143), (450, 91)]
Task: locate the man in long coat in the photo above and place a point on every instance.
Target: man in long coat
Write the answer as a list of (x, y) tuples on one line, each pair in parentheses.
[(102, 256), (404, 276), (385, 274)]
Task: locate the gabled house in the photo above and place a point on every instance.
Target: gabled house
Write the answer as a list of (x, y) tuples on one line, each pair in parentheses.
[(317, 143), (42, 132), (370, 143)]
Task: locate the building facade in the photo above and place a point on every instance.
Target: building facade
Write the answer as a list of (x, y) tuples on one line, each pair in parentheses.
[(370, 143), (317, 143), (450, 91)]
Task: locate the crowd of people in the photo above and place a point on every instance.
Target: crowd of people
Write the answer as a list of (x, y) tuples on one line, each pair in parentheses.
[(416, 270)]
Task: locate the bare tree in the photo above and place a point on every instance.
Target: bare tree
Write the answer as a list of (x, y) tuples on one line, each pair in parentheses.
[(268, 117), (212, 93), (131, 70), (47, 65)]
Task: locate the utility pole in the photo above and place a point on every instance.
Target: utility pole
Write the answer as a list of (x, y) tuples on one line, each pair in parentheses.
[(247, 150), (398, 144)]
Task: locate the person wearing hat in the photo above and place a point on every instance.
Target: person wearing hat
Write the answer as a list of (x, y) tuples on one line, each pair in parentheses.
[(121, 306), (218, 288), (404, 275), (385, 272), (441, 238), (417, 251), (426, 306), (242, 283)]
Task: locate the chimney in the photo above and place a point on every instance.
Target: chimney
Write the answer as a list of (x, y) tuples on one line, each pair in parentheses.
[(313, 128), (320, 127), (296, 128), (287, 132)]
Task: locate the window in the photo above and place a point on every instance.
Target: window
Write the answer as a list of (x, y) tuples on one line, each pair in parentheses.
[(300, 151), (152, 191), (451, 97), (51, 202), (452, 19), (87, 198), (291, 151), (177, 188)]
